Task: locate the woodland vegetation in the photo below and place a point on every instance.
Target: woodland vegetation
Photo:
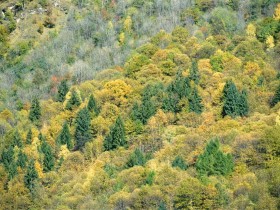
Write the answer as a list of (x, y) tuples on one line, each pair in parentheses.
[(158, 104)]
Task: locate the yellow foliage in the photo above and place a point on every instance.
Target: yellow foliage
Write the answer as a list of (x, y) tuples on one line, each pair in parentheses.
[(253, 70), (6, 115), (39, 169), (110, 25), (121, 38), (251, 30), (276, 15), (269, 42), (127, 24)]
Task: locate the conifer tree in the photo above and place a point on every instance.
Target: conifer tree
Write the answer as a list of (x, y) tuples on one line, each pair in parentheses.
[(29, 137), (63, 89), (92, 105), (83, 128), (194, 73), (8, 157), (180, 86), (12, 171), (231, 100), (48, 161), (136, 158), (22, 159), (243, 104), (116, 136), (276, 97), (170, 103), (35, 110), (17, 141), (74, 101), (65, 136), (31, 176), (213, 161), (162, 206), (180, 163), (195, 100)]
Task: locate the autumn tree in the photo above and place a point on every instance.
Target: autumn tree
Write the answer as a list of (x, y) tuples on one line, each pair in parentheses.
[(65, 137), (83, 128), (35, 110), (63, 89), (31, 176), (116, 137), (213, 161)]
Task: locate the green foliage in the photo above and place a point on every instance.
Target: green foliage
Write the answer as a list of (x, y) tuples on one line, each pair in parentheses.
[(136, 158), (276, 97), (180, 163), (269, 26), (135, 63), (116, 137), (194, 73), (29, 137), (213, 161), (17, 140), (170, 103), (63, 89), (83, 128), (195, 100), (92, 105), (180, 35), (162, 206), (31, 176), (216, 63), (49, 160), (65, 136), (150, 178), (35, 110), (21, 159), (235, 103), (180, 86), (74, 101), (8, 157)]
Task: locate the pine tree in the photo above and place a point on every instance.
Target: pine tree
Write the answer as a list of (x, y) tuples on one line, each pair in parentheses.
[(180, 163), (195, 100), (12, 171), (63, 89), (74, 101), (213, 161), (136, 158), (83, 128), (116, 136), (243, 104), (48, 161), (65, 136), (162, 206), (147, 109), (35, 111), (17, 141), (231, 100), (194, 73), (8, 157), (22, 159), (92, 105), (180, 86), (276, 97), (29, 137), (171, 103), (31, 176)]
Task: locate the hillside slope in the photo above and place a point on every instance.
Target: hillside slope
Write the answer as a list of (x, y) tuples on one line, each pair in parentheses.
[(185, 118)]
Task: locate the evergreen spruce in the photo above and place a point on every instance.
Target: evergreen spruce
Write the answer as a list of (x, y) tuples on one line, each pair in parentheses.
[(29, 137), (35, 110), (17, 141), (83, 128), (92, 105), (63, 89), (22, 159), (194, 73), (276, 97), (195, 100), (48, 161), (31, 176), (171, 103), (74, 101), (65, 136), (116, 137), (231, 100), (136, 158), (213, 161), (162, 206), (180, 86), (12, 171), (8, 157), (243, 104), (180, 163)]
